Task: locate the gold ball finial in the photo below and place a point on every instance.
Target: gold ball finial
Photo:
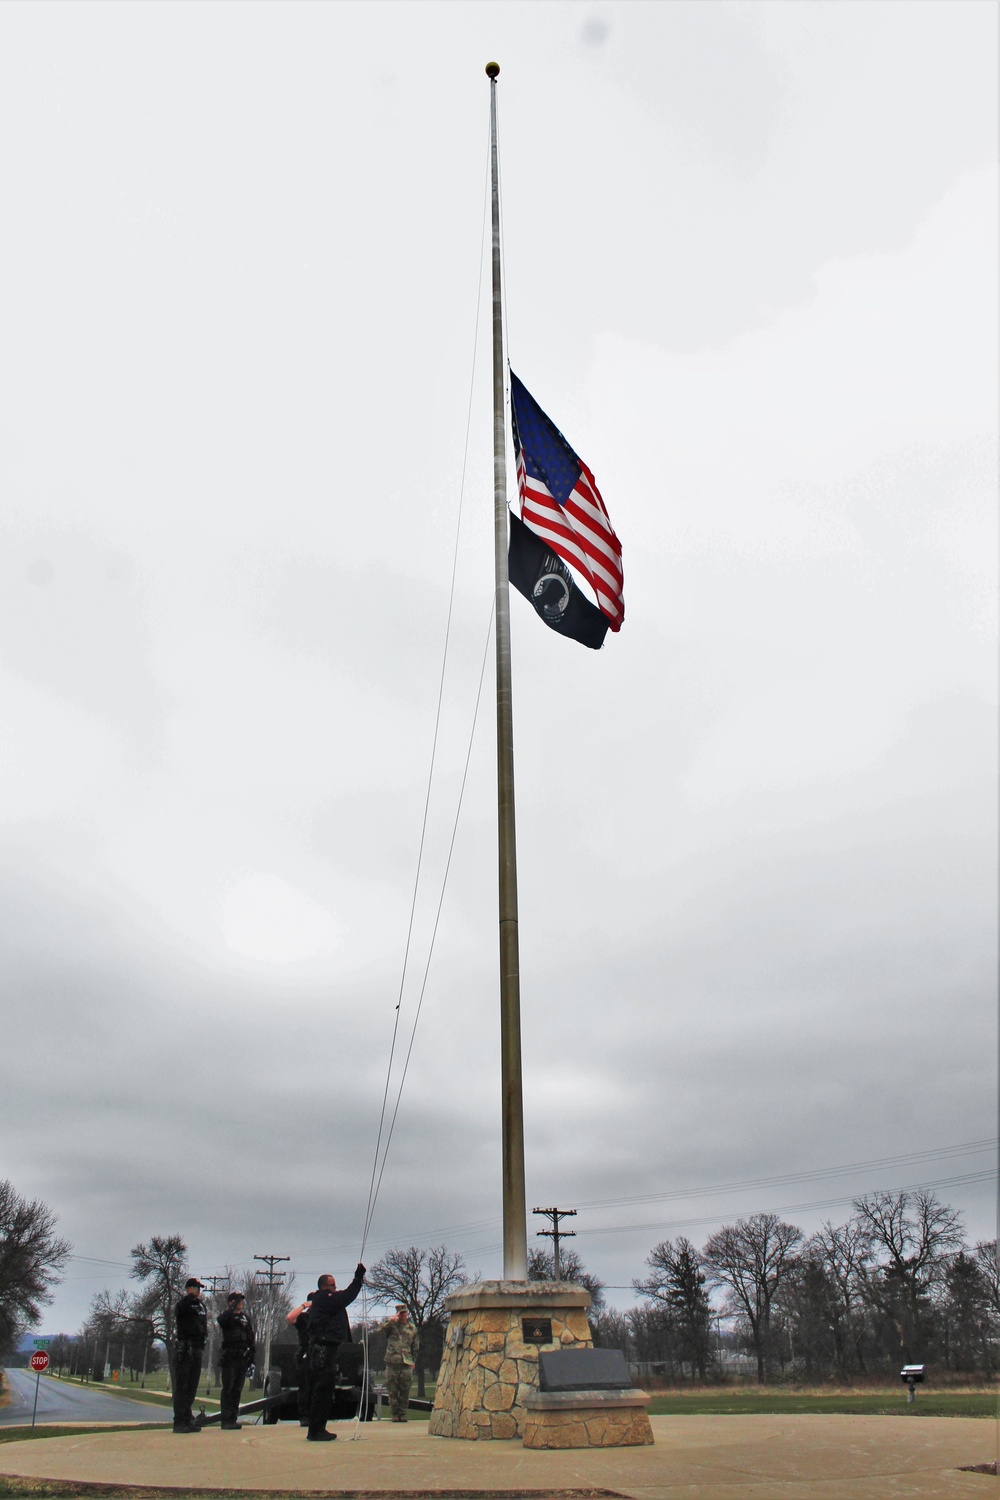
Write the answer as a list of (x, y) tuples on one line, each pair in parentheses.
[(492, 70)]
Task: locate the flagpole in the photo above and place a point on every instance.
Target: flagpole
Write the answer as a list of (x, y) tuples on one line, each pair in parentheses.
[(515, 1230)]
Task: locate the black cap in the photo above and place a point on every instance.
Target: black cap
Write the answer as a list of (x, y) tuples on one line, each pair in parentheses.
[(192, 1281), (236, 1297)]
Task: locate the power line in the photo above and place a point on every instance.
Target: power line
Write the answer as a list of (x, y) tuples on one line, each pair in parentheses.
[(819, 1174), (911, 1158), (788, 1208)]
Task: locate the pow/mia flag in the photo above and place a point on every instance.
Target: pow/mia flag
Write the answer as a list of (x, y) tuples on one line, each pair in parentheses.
[(547, 584)]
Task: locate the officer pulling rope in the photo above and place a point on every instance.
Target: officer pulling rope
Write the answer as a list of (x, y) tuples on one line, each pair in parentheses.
[(321, 1321)]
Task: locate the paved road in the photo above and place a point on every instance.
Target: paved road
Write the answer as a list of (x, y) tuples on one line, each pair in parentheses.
[(62, 1402)]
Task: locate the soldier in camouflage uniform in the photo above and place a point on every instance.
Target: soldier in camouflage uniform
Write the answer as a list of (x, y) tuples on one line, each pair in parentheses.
[(400, 1359)]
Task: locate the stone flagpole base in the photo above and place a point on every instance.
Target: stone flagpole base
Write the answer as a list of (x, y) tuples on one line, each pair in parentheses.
[(490, 1361)]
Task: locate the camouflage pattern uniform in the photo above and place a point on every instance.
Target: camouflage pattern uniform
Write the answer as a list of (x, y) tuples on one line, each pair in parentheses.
[(400, 1359)]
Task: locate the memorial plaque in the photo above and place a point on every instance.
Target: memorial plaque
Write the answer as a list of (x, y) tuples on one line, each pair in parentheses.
[(536, 1330), (583, 1370)]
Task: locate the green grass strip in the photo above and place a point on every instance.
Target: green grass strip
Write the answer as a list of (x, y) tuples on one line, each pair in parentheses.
[(54, 1430), (866, 1404)]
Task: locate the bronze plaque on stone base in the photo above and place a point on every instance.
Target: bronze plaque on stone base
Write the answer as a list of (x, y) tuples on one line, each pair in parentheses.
[(490, 1361)]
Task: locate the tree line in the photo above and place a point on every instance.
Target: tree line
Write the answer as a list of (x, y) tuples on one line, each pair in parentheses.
[(896, 1284)]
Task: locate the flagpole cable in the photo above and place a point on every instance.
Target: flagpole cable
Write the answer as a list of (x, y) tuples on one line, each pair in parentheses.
[(440, 905), (437, 725), (364, 1397), (413, 1030), (376, 1180)]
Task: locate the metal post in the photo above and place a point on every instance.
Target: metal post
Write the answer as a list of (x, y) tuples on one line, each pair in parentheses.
[(272, 1276), (515, 1233), (213, 1283)]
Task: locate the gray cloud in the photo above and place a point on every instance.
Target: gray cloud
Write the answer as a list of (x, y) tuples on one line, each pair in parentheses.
[(750, 270)]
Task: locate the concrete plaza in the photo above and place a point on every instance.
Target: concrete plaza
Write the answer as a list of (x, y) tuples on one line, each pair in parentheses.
[(699, 1458)]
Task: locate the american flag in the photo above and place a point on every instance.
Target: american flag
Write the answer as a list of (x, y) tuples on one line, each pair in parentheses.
[(560, 501)]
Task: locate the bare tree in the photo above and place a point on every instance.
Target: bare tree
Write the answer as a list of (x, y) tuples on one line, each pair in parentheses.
[(965, 1313), (267, 1307), (610, 1329), (677, 1283), (651, 1336), (541, 1267), (845, 1253), (161, 1265), (989, 1266), (422, 1279), (31, 1257), (803, 1316), (109, 1323), (61, 1351), (912, 1236), (749, 1260)]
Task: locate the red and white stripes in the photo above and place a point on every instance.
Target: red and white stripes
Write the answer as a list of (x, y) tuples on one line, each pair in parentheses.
[(580, 533)]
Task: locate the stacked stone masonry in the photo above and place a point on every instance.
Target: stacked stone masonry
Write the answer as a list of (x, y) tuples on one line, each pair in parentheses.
[(587, 1419), (487, 1370)]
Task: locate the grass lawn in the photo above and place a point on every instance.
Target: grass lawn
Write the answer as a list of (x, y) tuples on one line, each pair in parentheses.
[(155, 1395), (770, 1401), (25, 1434)]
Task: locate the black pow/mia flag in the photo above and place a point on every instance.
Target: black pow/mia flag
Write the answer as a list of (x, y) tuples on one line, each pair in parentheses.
[(547, 583)]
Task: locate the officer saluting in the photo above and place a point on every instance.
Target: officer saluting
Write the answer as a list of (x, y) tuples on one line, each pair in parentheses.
[(400, 1359), (299, 1319), (237, 1356), (191, 1320)]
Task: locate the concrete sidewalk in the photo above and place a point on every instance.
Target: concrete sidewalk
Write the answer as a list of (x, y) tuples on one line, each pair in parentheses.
[(699, 1458)]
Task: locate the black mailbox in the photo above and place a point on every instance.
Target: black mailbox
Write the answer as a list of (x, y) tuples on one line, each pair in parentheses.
[(913, 1374), (583, 1370)]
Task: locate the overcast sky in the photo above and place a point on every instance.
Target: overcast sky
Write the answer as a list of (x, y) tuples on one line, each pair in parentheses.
[(750, 262)]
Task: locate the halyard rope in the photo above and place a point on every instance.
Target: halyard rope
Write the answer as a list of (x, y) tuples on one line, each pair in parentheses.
[(378, 1167)]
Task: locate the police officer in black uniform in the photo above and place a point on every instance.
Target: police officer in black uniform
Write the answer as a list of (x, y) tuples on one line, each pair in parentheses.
[(299, 1319), (328, 1329), (237, 1356), (191, 1321)]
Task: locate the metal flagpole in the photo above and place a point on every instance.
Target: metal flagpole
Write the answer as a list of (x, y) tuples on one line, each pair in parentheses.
[(515, 1230)]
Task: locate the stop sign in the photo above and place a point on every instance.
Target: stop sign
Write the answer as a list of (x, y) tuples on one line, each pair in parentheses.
[(39, 1360)]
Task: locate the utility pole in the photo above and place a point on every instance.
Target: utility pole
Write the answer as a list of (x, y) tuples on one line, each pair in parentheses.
[(212, 1282), (555, 1234), (273, 1276)]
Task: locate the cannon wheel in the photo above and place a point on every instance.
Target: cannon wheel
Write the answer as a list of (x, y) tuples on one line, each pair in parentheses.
[(272, 1387)]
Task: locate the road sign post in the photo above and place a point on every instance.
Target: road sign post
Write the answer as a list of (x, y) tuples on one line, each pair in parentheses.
[(39, 1361)]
